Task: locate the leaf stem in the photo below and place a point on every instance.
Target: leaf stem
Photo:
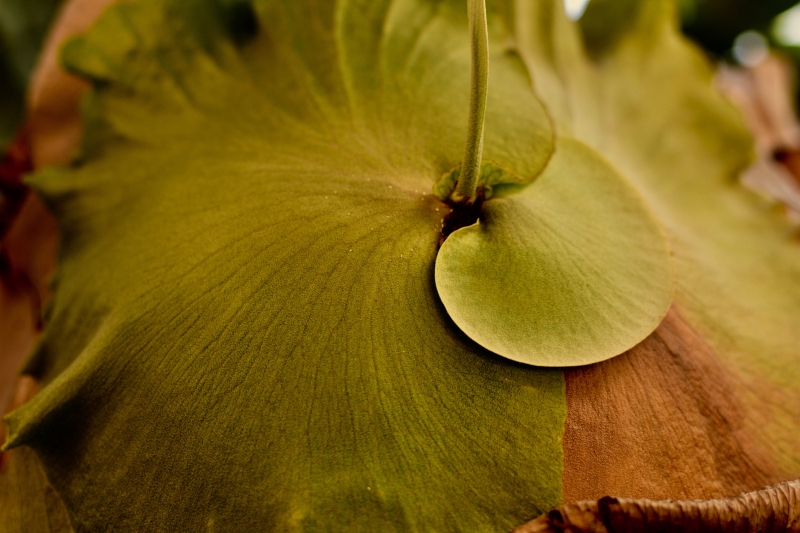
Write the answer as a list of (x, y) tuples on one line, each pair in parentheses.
[(471, 166)]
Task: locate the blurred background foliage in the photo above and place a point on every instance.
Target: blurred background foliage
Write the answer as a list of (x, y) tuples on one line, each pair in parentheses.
[(728, 29), (716, 24), (23, 25)]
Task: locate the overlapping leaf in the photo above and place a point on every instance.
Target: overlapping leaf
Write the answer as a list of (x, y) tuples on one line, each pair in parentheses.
[(573, 270)]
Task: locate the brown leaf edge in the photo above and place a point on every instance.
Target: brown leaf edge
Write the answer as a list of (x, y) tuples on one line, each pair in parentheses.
[(770, 510)]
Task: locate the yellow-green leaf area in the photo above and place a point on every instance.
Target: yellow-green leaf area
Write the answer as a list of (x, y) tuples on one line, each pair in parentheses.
[(29, 503), (246, 334), (572, 270)]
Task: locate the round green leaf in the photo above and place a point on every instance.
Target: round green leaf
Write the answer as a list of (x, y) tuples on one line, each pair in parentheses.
[(572, 270)]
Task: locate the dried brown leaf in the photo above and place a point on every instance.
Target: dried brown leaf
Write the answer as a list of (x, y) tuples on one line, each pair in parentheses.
[(773, 509)]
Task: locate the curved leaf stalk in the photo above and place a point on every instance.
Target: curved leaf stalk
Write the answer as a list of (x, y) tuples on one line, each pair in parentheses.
[(471, 166)]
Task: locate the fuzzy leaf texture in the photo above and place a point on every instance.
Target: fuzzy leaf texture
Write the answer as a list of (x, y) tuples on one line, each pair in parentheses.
[(246, 333), (247, 271)]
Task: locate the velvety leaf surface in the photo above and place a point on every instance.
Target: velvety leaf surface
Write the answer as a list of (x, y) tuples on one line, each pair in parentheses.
[(573, 270), (648, 104), (246, 334), (28, 504)]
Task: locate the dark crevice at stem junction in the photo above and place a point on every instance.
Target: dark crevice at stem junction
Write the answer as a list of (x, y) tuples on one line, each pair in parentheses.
[(468, 196), (463, 214)]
